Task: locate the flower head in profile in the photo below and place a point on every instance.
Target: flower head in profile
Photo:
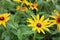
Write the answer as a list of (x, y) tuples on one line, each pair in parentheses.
[(39, 24), (34, 6), (56, 19), (4, 18), (23, 8)]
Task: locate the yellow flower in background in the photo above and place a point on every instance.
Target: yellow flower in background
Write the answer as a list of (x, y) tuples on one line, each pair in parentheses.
[(39, 24), (24, 8), (34, 6), (4, 18), (57, 19)]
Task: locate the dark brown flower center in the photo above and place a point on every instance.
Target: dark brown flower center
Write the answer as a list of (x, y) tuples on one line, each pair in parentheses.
[(58, 20), (38, 25), (1, 18), (21, 0), (32, 5), (23, 7)]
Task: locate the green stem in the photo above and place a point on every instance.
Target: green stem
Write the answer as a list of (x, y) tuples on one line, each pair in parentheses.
[(20, 38), (34, 35)]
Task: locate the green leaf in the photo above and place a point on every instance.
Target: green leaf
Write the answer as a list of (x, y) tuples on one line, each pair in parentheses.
[(56, 38), (58, 7), (7, 38)]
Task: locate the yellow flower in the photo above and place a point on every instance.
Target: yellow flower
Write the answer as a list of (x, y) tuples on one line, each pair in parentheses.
[(4, 18), (34, 6), (57, 19), (24, 8), (39, 24)]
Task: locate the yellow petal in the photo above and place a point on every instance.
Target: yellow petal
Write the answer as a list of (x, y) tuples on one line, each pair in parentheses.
[(42, 31), (38, 31), (50, 25), (4, 25), (42, 18), (45, 22), (30, 20), (37, 17), (56, 12), (31, 24), (6, 14), (36, 9), (18, 8), (46, 29), (33, 17), (58, 27), (53, 17)]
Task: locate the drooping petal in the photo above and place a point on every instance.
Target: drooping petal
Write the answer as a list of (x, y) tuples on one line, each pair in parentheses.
[(42, 31), (4, 25), (30, 20), (46, 29), (53, 17), (38, 31), (58, 26)]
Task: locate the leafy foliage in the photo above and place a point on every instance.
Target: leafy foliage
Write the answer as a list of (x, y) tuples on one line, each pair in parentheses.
[(17, 28)]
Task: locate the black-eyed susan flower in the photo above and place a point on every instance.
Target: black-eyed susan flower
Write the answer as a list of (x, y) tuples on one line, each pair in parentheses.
[(24, 8), (39, 24), (57, 19), (34, 6), (4, 18)]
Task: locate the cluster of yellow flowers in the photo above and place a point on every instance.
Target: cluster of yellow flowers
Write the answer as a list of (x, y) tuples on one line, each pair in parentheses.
[(40, 24), (37, 23), (31, 5)]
